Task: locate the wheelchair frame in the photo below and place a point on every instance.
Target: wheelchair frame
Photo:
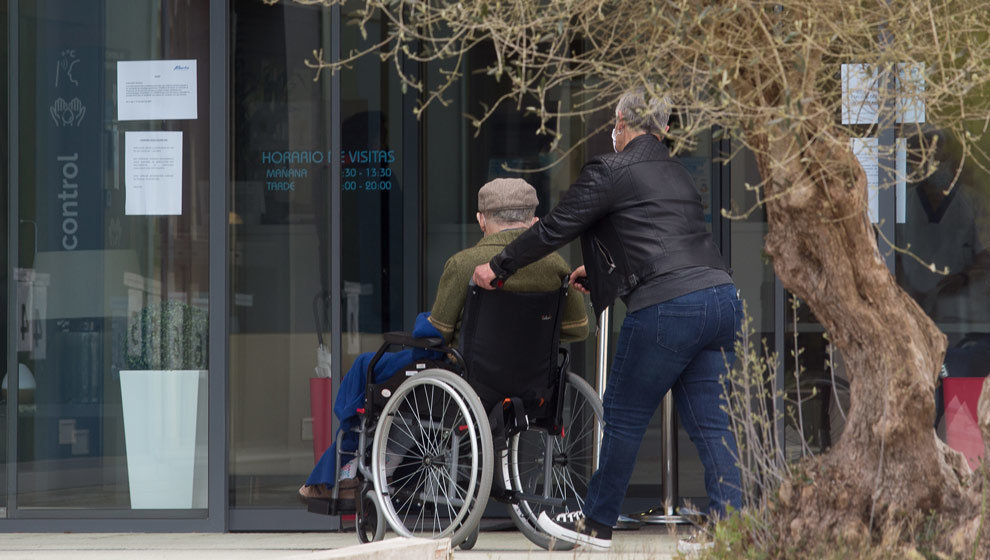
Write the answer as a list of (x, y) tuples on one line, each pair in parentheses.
[(372, 514)]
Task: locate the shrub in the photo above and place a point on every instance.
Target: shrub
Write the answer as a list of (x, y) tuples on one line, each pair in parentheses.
[(168, 335)]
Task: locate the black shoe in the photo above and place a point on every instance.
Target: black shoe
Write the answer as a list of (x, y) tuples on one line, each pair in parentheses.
[(574, 527), (627, 523)]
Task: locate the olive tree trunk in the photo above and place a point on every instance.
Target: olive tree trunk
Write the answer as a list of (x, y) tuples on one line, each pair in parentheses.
[(889, 465)]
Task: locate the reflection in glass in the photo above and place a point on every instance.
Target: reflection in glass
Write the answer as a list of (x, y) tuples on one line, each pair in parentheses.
[(460, 159), (101, 292), (821, 412), (280, 243), (4, 214), (379, 194), (946, 223)]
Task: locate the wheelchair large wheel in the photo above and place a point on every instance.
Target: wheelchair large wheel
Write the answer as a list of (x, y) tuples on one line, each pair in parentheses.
[(554, 466), (432, 458), (480, 416)]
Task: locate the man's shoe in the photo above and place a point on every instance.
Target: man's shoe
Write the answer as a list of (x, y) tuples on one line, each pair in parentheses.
[(314, 492), (325, 492), (349, 483), (347, 494), (574, 527)]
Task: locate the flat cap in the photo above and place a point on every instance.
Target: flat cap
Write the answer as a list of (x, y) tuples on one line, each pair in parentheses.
[(501, 194)]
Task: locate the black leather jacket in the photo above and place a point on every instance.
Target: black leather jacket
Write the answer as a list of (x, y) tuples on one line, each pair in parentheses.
[(638, 215)]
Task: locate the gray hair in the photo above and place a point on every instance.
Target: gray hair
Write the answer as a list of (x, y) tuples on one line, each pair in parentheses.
[(650, 116), (507, 216)]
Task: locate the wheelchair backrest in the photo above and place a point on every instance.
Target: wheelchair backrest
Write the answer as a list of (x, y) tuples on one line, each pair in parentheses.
[(510, 342)]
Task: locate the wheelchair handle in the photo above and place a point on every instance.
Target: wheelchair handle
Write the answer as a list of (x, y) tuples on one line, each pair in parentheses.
[(495, 283)]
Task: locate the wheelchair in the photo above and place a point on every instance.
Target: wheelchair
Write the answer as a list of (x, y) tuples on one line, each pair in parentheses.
[(498, 418)]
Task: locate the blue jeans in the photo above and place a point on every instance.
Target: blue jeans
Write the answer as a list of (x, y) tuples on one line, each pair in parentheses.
[(679, 345)]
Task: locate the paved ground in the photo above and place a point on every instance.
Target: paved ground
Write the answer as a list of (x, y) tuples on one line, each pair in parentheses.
[(650, 542)]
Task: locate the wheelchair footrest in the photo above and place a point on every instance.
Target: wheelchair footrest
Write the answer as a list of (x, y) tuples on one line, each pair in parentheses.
[(537, 499), (324, 506)]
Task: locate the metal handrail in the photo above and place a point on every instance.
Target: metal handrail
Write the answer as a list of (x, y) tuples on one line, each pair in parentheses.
[(601, 374)]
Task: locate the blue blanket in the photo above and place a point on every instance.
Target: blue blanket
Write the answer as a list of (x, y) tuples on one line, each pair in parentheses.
[(350, 396)]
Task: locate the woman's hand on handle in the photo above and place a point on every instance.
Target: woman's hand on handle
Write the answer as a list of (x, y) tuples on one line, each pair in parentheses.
[(577, 279), (484, 276)]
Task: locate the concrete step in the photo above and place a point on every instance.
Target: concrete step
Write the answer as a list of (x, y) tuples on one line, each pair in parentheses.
[(389, 549)]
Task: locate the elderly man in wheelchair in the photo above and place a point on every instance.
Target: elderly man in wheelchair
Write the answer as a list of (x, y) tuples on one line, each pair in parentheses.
[(479, 405)]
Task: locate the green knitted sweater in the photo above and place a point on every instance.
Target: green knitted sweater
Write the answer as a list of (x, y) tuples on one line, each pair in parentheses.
[(543, 275)]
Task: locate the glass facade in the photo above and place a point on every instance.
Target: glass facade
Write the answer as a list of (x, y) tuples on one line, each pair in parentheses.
[(944, 219), (280, 244), (183, 272), (110, 274)]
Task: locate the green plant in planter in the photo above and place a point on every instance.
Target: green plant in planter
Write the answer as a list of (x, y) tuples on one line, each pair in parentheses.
[(168, 335)]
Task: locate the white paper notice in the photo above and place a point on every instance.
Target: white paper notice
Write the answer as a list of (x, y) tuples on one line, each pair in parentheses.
[(911, 93), (153, 173), (860, 94), (156, 90), (866, 151)]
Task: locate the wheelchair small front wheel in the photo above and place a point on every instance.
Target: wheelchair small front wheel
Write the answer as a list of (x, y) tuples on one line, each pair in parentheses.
[(471, 540), (369, 521)]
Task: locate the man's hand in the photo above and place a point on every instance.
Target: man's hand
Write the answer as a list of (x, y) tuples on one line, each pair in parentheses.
[(483, 276), (577, 278)]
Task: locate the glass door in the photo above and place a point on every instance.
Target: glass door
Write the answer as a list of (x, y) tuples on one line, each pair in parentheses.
[(322, 232), (4, 235), (943, 218), (280, 235), (110, 278)]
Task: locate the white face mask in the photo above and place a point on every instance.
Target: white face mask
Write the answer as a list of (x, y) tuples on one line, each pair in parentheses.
[(614, 149)]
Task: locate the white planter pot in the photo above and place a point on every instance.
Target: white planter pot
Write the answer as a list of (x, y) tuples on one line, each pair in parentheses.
[(165, 430)]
